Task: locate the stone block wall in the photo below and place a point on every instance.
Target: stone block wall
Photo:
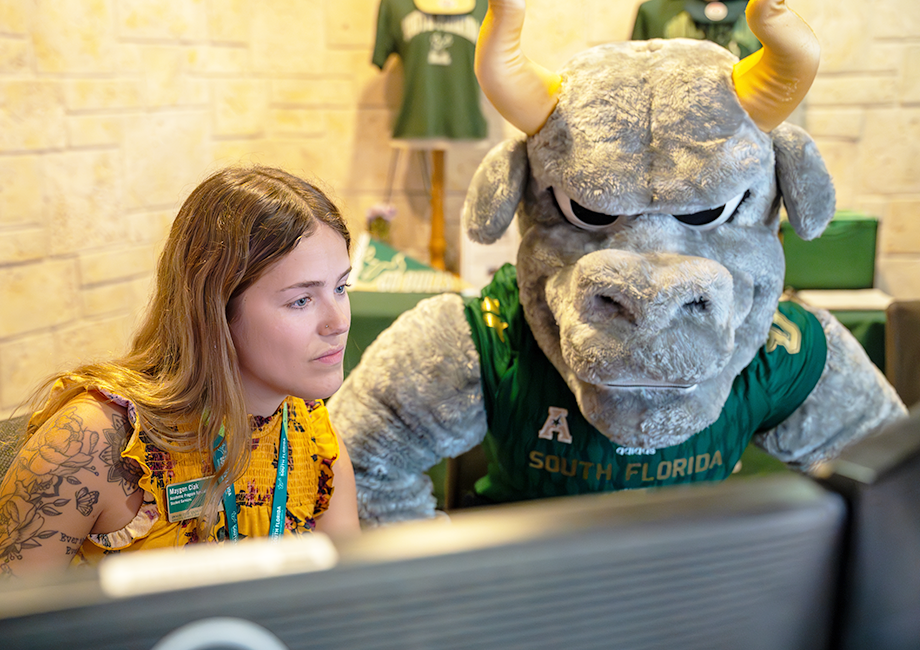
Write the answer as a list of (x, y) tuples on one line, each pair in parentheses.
[(864, 113), (111, 111)]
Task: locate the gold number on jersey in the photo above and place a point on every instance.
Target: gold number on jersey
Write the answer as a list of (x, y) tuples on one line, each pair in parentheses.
[(491, 317), (784, 333)]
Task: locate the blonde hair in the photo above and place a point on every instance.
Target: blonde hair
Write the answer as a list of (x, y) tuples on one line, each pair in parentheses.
[(182, 372)]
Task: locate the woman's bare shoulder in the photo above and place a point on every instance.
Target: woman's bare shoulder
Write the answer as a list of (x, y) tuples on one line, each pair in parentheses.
[(89, 408), (82, 425), (87, 434), (103, 429)]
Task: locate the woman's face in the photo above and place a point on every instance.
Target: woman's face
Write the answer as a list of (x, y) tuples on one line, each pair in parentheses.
[(290, 326)]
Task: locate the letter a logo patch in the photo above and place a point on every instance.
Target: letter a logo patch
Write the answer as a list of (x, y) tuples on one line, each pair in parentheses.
[(556, 425)]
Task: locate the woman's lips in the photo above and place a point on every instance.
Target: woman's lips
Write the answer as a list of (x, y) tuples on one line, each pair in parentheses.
[(332, 357)]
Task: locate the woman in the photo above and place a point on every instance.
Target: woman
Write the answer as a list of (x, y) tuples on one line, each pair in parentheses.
[(245, 333)]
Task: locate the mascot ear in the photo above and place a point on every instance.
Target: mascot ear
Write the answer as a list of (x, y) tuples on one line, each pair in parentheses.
[(496, 191), (804, 183)]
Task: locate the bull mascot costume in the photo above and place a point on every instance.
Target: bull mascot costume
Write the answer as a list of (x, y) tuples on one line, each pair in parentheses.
[(640, 340)]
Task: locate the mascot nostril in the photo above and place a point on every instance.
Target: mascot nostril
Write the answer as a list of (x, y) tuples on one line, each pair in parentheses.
[(599, 351), (652, 308), (649, 292), (610, 307), (697, 306)]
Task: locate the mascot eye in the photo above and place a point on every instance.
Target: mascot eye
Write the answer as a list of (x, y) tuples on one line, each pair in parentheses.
[(580, 216), (709, 219)]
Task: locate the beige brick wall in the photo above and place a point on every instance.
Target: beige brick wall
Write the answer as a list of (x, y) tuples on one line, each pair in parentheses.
[(111, 111), (864, 112)]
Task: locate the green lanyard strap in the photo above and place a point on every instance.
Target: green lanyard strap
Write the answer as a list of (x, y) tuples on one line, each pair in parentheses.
[(279, 498)]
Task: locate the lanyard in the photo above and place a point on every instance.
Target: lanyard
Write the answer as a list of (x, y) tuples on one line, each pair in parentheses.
[(279, 498)]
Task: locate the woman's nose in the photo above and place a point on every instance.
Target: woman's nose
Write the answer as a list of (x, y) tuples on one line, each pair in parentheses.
[(338, 318)]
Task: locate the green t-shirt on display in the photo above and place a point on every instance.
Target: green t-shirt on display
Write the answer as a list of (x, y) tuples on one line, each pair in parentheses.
[(441, 95), (539, 444), (687, 19)]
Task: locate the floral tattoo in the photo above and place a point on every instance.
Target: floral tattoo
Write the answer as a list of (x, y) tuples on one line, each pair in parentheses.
[(31, 491), (123, 471)]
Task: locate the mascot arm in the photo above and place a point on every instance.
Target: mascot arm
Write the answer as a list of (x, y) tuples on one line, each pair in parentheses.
[(414, 399), (851, 400)]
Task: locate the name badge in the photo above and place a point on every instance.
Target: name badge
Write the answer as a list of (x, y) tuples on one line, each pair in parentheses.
[(185, 500)]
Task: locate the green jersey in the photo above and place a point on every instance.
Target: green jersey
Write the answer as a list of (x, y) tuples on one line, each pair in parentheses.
[(441, 95), (539, 444)]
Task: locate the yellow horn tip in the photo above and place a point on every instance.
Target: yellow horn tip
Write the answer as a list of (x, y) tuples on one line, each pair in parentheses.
[(773, 81)]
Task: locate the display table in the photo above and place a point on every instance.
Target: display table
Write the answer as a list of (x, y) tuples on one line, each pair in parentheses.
[(371, 313)]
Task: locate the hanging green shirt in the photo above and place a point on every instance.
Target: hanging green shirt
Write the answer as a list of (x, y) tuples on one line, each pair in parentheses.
[(687, 19), (441, 94), (539, 444)]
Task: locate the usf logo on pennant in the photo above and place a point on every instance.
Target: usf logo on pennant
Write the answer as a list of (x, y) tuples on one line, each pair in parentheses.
[(556, 425)]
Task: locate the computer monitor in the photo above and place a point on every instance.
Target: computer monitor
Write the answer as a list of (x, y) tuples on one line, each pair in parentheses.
[(743, 564), (879, 477)]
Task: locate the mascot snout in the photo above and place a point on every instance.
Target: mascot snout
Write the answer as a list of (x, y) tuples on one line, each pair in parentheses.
[(644, 321)]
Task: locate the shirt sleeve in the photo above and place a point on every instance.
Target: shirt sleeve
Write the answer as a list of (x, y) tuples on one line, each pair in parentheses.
[(796, 352), (640, 27), (327, 448), (386, 39)]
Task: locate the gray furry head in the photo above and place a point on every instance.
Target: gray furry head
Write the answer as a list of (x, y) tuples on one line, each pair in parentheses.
[(648, 204)]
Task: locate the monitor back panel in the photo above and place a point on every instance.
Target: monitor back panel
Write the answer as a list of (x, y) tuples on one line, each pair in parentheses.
[(751, 564), (880, 587)]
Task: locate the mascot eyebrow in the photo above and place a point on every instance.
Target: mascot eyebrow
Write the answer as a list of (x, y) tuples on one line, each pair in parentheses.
[(587, 219), (641, 339)]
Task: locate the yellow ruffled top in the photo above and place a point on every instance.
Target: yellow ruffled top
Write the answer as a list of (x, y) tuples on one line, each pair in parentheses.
[(313, 450)]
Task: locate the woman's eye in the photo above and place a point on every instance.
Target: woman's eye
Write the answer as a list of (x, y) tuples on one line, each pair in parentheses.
[(301, 302), (341, 288), (581, 216), (709, 219)]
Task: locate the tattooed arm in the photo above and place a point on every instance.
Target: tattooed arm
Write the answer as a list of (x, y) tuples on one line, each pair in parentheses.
[(68, 480)]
